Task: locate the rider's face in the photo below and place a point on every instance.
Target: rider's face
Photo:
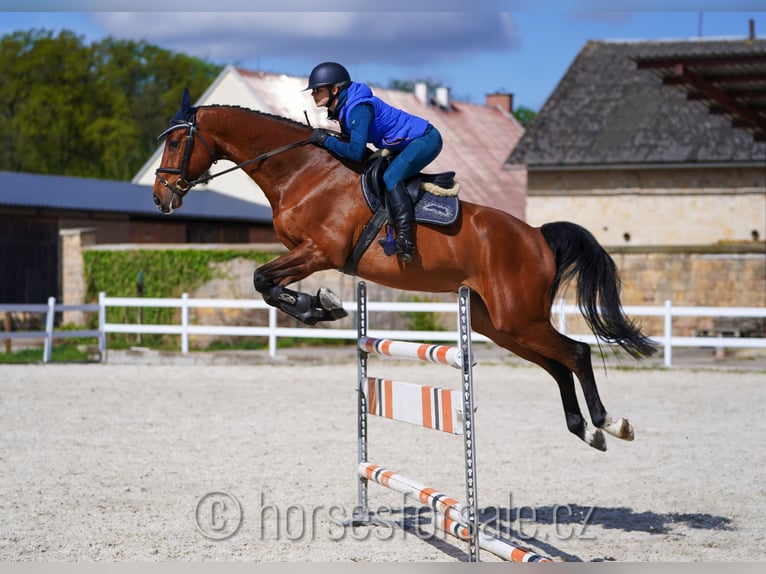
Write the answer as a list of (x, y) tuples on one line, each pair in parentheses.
[(321, 95)]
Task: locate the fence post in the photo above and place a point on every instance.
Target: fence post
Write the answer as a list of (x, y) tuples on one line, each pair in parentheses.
[(49, 317), (101, 323), (668, 332), (7, 327), (720, 350), (272, 331), (184, 323)]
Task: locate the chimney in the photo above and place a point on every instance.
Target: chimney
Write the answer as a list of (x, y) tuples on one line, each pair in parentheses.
[(442, 97), (752, 30), (421, 92), (502, 101)]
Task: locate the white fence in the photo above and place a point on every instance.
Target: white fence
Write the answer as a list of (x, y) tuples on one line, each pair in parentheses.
[(50, 309), (272, 331)]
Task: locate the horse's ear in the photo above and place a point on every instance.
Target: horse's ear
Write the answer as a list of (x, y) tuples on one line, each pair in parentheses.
[(185, 114), (186, 100)]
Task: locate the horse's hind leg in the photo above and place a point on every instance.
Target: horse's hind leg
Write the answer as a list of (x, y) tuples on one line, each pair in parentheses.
[(565, 380), (575, 357), (575, 422), (620, 427)]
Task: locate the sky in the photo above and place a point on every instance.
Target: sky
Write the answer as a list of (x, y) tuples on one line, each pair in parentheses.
[(474, 47)]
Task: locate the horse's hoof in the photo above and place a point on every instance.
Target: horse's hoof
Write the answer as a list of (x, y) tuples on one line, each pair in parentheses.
[(596, 439), (330, 302), (621, 428)]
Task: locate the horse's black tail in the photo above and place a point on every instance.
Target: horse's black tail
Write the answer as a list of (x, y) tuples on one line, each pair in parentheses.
[(579, 256)]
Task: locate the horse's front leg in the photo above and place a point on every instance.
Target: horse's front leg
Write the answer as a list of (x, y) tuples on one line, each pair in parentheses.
[(270, 280)]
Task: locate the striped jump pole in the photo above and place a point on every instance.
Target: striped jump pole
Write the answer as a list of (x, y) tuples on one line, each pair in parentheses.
[(441, 354), (500, 547), (448, 513), (446, 410)]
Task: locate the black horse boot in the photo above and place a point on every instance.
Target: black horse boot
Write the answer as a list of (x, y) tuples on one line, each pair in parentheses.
[(403, 214)]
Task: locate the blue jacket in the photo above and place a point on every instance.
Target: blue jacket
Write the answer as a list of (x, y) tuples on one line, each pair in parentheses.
[(375, 122)]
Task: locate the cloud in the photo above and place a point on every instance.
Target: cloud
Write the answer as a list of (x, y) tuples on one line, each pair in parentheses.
[(400, 38)]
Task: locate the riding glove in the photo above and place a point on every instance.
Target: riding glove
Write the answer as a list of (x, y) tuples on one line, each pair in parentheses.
[(318, 137)]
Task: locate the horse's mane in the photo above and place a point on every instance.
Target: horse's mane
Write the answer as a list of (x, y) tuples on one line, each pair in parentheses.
[(283, 119), (357, 166)]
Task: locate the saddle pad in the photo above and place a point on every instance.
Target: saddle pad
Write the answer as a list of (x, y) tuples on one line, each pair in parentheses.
[(437, 209), (430, 208)]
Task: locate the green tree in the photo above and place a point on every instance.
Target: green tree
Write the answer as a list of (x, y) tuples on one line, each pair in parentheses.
[(43, 82), (88, 110), (524, 115)]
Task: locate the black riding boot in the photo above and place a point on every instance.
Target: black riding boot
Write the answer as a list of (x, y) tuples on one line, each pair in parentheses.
[(402, 212)]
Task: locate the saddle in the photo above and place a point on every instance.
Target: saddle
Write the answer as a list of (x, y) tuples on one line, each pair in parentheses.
[(434, 197)]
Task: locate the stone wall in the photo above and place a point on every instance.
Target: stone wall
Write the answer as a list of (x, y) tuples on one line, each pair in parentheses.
[(694, 276), (654, 206)]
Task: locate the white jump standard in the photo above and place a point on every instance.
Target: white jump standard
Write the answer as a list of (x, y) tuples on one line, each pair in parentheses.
[(436, 408)]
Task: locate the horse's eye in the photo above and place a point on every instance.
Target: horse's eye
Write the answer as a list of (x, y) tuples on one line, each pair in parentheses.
[(174, 144)]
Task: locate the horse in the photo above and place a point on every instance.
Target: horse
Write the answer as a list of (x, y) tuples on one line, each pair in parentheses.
[(514, 270)]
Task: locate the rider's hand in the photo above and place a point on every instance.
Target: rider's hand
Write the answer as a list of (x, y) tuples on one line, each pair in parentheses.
[(318, 137)]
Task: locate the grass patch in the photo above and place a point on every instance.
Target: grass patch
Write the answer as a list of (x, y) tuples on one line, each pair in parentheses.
[(59, 354)]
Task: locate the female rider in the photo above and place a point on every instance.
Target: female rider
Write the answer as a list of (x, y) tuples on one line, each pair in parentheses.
[(365, 118)]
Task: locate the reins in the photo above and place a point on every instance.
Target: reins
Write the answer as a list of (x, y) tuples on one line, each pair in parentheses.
[(262, 157)]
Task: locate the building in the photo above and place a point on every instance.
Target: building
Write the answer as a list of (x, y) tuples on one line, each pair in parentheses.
[(630, 158), (658, 149), (35, 210)]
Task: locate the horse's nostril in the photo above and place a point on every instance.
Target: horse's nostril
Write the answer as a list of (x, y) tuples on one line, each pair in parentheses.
[(157, 201)]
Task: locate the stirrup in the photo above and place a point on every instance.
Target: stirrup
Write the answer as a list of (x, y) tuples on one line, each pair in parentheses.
[(404, 250)]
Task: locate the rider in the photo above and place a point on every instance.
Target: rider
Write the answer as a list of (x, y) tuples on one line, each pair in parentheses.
[(365, 118)]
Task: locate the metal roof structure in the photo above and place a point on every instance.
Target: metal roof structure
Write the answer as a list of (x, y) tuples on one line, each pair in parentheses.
[(730, 80), (30, 190)]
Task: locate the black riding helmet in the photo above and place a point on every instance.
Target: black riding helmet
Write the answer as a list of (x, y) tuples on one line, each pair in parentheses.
[(328, 74)]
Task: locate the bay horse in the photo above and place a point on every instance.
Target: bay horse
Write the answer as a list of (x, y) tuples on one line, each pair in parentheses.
[(514, 270)]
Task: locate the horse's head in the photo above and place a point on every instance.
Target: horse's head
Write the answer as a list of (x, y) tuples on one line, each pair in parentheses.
[(184, 163)]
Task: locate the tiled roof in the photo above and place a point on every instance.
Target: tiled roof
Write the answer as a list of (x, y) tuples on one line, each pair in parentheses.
[(607, 111), (477, 138), (86, 194)]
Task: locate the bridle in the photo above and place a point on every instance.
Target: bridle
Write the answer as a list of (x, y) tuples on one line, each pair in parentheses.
[(182, 185)]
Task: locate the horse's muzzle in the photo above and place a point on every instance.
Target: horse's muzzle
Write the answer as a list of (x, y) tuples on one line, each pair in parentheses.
[(167, 206), (177, 190), (166, 209)]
